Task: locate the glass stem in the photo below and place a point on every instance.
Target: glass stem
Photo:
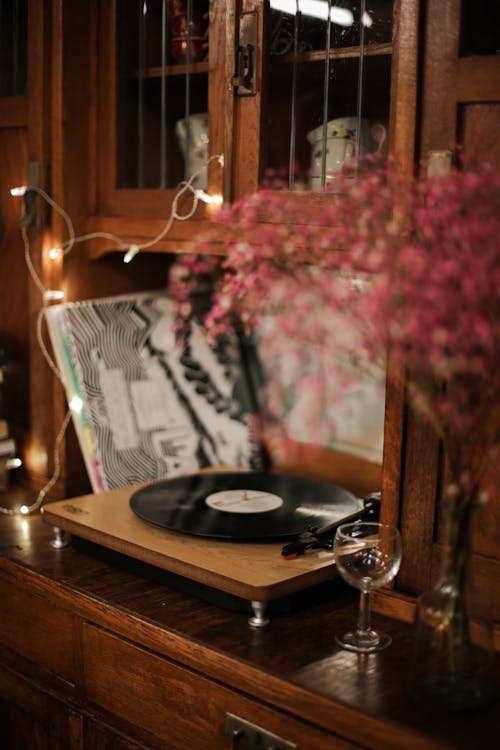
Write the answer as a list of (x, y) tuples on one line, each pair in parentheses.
[(364, 615)]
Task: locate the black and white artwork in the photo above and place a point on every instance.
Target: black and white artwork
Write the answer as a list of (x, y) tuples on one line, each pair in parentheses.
[(145, 404)]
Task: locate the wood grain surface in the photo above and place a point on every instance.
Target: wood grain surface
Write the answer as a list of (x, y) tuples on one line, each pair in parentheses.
[(290, 676)]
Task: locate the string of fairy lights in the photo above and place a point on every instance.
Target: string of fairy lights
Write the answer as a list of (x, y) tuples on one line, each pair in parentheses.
[(54, 295)]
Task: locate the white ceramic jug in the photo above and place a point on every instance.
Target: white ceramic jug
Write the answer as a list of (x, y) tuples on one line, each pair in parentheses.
[(192, 136), (341, 146)]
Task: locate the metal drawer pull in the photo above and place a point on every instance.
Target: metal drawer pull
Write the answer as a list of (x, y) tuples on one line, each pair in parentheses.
[(235, 741), (246, 735)]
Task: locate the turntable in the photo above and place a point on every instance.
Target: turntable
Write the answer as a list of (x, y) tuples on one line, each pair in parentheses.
[(254, 536)]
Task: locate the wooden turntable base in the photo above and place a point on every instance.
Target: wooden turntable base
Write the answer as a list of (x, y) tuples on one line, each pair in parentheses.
[(254, 572)]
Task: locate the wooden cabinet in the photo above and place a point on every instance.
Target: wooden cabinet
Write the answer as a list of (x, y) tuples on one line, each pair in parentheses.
[(308, 76), (173, 705), (147, 666), (317, 80), (47, 639), (32, 719), (81, 120), (155, 113), (162, 103), (105, 98)]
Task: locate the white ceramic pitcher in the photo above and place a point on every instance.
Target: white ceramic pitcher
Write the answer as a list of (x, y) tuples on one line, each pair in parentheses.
[(341, 145), (196, 151)]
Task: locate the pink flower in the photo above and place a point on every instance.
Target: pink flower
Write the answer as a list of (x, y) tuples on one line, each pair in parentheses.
[(414, 268)]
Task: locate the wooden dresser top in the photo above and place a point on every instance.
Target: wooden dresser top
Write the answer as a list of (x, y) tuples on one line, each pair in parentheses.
[(293, 664)]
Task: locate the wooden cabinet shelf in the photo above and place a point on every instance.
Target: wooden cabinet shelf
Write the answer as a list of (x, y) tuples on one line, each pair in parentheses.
[(174, 70), (338, 53), (135, 230)]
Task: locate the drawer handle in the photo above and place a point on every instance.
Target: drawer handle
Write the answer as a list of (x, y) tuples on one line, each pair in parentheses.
[(235, 739), (246, 735)]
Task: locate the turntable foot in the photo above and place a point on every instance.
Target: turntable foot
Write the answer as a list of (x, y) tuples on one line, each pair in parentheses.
[(59, 541), (258, 620)]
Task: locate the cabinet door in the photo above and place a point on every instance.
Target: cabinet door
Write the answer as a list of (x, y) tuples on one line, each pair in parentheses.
[(461, 106), (14, 312), (326, 75), (163, 109), (46, 639), (99, 737), (333, 80), (31, 719), (462, 62)]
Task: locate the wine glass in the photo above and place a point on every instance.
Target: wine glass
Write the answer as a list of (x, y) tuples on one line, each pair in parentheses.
[(367, 555)]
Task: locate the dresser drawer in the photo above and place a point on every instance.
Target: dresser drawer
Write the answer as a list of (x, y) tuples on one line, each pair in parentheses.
[(37, 629), (181, 708)]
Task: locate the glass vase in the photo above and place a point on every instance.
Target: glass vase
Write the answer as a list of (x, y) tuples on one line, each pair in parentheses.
[(451, 666)]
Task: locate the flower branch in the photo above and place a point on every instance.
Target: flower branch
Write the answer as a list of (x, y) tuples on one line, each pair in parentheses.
[(411, 267)]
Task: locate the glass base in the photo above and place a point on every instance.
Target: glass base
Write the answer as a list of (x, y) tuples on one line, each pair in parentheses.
[(363, 641)]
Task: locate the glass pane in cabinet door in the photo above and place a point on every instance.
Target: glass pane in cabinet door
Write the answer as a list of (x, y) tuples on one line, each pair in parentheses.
[(329, 87), (480, 27), (162, 92), (13, 47)]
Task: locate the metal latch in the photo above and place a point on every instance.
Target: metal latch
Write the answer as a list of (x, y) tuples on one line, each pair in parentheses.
[(31, 206), (243, 734), (245, 79)]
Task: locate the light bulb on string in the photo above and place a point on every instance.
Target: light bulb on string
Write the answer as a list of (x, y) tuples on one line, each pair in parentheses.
[(130, 255), (13, 463), (185, 187), (53, 295), (216, 200), (76, 404)]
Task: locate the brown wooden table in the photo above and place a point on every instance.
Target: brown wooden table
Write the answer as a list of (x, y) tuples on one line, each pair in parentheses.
[(97, 656)]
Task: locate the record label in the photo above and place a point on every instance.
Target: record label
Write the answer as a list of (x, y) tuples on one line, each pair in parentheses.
[(243, 506), (244, 501)]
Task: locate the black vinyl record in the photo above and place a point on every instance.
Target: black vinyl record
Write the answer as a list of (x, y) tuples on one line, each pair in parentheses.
[(241, 506)]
